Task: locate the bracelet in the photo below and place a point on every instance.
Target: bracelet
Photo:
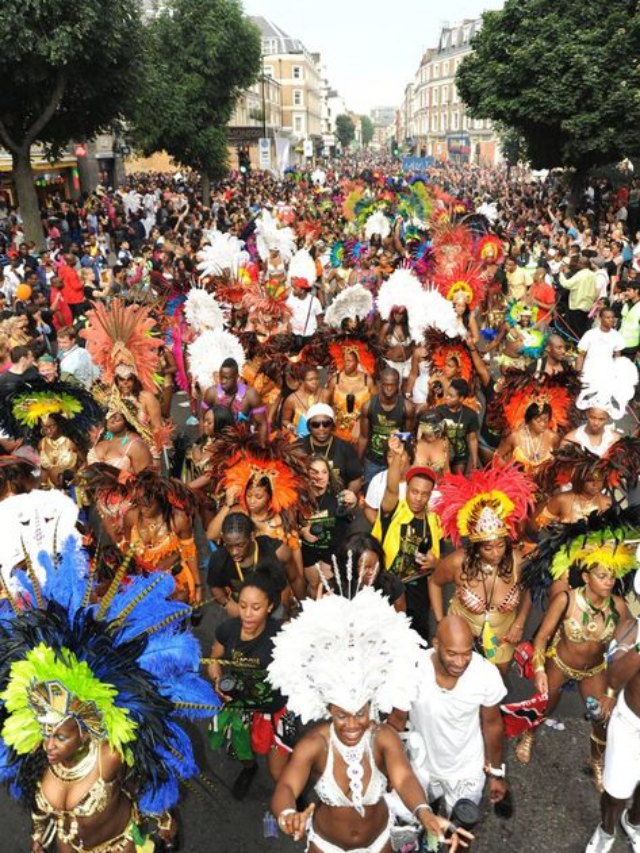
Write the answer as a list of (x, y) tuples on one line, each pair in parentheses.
[(284, 813), (611, 693), (538, 659), (538, 669), (497, 772), (420, 808)]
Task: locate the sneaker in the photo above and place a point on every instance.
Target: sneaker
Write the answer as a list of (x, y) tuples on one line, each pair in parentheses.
[(601, 842), (242, 784), (631, 831)]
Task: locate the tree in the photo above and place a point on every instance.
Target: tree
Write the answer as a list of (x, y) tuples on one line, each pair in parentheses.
[(366, 127), (201, 55), (512, 144), (563, 75), (68, 70), (345, 129)]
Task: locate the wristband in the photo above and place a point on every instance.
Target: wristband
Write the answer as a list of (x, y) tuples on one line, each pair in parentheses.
[(611, 693), (497, 772), (284, 813), (420, 808)]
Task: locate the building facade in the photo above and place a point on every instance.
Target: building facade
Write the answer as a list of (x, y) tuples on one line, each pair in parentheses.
[(439, 125), (257, 115), (287, 61)]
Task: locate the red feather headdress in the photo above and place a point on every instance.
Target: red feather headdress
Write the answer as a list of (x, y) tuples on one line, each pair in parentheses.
[(269, 299), (367, 359), (463, 278), (485, 505), (452, 245), (489, 250)]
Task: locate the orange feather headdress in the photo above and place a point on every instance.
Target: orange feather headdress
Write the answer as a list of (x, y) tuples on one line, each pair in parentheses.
[(489, 250), (463, 278), (519, 390), (239, 461), (121, 342), (440, 348)]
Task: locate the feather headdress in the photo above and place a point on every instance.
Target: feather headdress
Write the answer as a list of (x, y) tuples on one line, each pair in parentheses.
[(22, 412), (441, 347), (402, 288), (239, 460), (489, 210), (488, 504), (452, 245), (489, 250), (605, 539), (33, 522), (122, 669), (519, 389), (353, 303), (224, 255), (433, 311), (207, 353), (347, 653), (377, 223), (608, 384), (268, 300), (121, 342), (461, 279), (365, 346), (302, 266), (269, 236), (202, 312)]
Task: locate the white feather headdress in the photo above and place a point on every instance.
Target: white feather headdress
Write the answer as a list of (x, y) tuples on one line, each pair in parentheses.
[(609, 385), (319, 177), (302, 266), (432, 311), (269, 236), (224, 252), (32, 523), (202, 312), (207, 353), (378, 224), (347, 653), (354, 302), (401, 288), (489, 210)]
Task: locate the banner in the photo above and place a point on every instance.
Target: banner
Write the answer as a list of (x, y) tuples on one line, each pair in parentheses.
[(283, 153), (416, 164), (264, 153)]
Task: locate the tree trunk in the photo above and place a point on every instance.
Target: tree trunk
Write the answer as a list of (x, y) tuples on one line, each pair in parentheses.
[(28, 197), (206, 190), (575, 191)]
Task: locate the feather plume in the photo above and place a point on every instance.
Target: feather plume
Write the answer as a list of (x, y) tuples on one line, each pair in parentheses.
[(433, 311), (302, 266), (518, 389), (377, 223), (224, 254), (353, 303), (202, 312), (462, 278), (348, 653), (608, 384), (401, 288), (269, 236), (121, 335), (207, 353)]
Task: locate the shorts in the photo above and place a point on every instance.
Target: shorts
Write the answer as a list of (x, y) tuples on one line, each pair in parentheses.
[(622, 758)]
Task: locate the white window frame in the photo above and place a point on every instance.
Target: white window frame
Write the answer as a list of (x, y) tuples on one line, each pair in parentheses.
[(268, 71), (299, 75), (298, 124), (298, 98)]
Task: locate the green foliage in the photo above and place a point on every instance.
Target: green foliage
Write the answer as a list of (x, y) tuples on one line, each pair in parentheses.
[(512, 144), (201, 54), (68, 68), (345, 129), (366, 126), (564, 75)]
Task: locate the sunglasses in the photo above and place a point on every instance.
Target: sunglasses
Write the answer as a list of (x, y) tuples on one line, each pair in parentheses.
[(320, 424)]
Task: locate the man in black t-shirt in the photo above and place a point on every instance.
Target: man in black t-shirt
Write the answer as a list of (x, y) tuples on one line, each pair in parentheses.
[(340, 455), (461, 427)]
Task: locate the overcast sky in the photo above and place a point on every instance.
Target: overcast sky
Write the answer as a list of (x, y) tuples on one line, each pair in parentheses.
[(370, 54)]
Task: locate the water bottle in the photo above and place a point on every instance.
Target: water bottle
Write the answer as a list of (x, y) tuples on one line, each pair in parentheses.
[(269, 826), (594, 710)]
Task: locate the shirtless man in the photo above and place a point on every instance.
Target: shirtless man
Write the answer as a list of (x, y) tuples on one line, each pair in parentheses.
[(243, 402)]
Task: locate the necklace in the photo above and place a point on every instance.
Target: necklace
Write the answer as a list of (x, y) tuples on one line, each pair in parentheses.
[(352, 757), (532, 452), (317, 449), (79, 770)]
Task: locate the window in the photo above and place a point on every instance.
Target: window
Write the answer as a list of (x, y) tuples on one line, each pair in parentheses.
[(297, 97), (455, 121), (445, 69), (436, 70), (436, 94), (268, 71), (434, 123), (297, 124), (443, 122), (445, 95), (297, 72)]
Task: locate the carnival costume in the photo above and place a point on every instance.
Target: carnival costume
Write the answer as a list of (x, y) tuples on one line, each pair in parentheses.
[(609, 385), (269, 236), (402, 289), (349, 653), (121, 342), (207, 353), (463, 279), (121, 670), (487, 505)]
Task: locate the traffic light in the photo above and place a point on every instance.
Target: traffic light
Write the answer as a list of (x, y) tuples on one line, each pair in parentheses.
[(244, 161)]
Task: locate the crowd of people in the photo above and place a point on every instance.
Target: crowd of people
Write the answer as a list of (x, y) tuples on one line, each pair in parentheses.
[(384, 423)]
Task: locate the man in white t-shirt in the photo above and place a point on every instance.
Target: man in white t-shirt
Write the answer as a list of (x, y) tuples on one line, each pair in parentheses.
[(305, 307), (598, 347), (456, 739)]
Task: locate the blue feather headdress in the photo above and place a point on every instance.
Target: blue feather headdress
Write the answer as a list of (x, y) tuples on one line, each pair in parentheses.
[(134, 642)]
